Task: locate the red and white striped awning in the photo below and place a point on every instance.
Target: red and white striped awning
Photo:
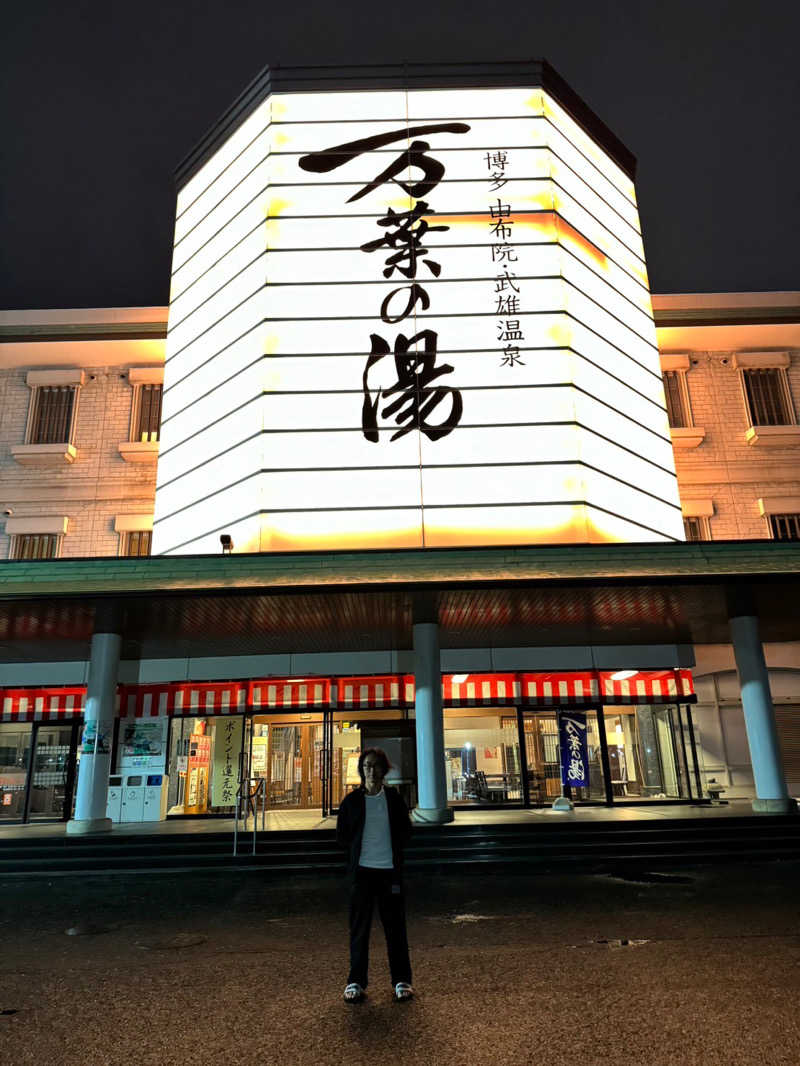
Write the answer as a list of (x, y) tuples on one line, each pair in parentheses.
[(649, 686), (182, 698), (274, 693), (527, 689), (390, 690), (354, 693), (475, 690), (41, 704)]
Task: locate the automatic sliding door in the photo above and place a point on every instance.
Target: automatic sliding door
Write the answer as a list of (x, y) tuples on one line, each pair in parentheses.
[(648, 753)]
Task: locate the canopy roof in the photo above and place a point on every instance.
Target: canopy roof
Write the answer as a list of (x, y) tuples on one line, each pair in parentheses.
[(573, 595)]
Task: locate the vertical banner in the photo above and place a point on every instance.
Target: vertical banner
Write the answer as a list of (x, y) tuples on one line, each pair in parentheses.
[(196, 795), (227, 756), (573, 749)]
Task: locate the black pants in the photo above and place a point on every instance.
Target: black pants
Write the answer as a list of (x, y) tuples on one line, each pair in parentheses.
[(385, 887)]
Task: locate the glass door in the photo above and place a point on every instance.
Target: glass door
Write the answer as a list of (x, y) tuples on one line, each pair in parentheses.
[(543, 760), (52, 779), (15, 755), (647, 753), (285, 766), (291, 758)]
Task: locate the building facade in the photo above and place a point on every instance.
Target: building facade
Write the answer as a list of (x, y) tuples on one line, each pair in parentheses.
[(258, 445)]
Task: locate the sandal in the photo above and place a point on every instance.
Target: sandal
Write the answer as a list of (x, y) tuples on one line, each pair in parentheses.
[(354, 993), (403, 991)]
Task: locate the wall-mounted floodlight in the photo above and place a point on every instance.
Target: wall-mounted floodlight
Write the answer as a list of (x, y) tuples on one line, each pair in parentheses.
[(227, 543)]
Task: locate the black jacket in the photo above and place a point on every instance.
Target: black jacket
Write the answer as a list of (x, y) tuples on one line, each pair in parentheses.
[(350, 825)]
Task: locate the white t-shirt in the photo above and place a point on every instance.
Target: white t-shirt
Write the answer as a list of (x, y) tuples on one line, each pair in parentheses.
[(376, 843)]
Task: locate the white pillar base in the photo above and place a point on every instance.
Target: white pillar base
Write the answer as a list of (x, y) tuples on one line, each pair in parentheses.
[(432, 815), (81, 826), (786, 805), (562, 803)]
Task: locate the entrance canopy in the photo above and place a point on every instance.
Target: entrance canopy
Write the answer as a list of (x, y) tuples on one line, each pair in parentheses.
[(575, 595)]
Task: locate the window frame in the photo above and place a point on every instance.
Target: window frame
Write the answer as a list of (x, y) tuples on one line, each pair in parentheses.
[(17, 540), (136, 410), (683, 395), (125, 545), (784, 395), (33, 410), (703, 527), (775, 517)]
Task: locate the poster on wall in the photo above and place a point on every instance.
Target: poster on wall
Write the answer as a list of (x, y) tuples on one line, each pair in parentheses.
[(196, 801), (259, 756), (143, 738), (95, 740)]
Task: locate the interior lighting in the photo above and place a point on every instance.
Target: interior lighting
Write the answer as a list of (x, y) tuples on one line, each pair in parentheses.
[(623, 675)]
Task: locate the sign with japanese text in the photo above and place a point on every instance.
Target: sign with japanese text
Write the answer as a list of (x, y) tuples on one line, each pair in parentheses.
[(573, 748), (227, 755), (406, 319)]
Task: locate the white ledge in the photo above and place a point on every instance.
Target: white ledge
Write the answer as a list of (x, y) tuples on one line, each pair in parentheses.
[(56, 524), (687, 436), (67, 376), (674, 361), (44, 454), (133, 523), (695, 508), (760, 360), (768, 505), (773, 436), (139, 451), (146, 375)]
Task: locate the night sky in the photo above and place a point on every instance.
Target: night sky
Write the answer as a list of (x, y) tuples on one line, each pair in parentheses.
[(102, 99)]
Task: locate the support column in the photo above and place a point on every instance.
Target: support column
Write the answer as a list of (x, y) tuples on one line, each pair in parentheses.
[(98, 730), (431, 806), (759, 717)]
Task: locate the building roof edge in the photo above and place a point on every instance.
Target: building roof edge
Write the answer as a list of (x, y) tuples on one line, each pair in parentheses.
[(535, 73)]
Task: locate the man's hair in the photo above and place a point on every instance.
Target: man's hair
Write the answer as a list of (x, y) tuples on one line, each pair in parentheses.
[(379, 754)]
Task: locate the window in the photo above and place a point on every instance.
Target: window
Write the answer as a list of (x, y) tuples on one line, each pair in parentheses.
[(138, 542), (147, 412), (768, 400), (695, 528), (784, 526), (36, 546), (52, 414), (677, 399)]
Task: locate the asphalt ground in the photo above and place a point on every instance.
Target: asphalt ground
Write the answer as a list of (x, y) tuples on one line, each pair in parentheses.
[(700, 968)]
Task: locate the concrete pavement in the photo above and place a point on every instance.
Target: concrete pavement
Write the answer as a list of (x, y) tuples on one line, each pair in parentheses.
[(519, 969)]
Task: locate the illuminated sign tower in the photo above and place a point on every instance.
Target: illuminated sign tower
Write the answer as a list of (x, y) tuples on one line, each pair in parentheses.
[(410, 308)]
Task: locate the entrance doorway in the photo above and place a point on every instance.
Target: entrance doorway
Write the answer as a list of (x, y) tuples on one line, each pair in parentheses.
[(289, 756), (635, 754), (37, 771), (542, 761)]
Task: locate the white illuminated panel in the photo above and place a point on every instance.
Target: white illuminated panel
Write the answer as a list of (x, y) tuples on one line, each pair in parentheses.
[(343, 373)]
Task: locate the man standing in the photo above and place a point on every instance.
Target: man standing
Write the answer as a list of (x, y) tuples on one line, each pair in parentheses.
[(374, 826)]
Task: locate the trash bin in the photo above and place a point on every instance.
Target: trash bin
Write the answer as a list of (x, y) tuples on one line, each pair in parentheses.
[(155, 798), (114, 801), (133, 799)]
